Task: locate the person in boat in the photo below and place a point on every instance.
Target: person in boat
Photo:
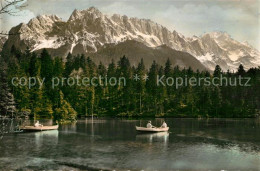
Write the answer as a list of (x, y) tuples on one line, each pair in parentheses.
[(149, 125), (164, 125), (37, 124)]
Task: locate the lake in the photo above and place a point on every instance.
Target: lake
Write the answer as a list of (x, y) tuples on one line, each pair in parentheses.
[(190, 144)]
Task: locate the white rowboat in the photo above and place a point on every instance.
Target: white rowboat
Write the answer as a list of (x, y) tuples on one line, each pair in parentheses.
[(39, 128), (144, 129)]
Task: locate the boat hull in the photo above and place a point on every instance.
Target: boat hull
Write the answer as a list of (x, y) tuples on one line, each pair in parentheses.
[(40, 128), (144, 129)]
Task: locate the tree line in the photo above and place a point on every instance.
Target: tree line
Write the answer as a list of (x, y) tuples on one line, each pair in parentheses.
[(143, 98)]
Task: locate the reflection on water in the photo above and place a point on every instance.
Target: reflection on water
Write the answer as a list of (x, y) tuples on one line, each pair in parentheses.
[(154, 137), (191, 144), (50, 136)]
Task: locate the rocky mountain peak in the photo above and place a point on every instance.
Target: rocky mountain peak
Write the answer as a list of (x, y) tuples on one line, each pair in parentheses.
[(93, 10), (75, 14), (218, 34), (90, 13), (44, 19), (43, 23)]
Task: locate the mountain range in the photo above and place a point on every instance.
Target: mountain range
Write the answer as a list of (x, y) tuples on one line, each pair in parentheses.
[(106, 37)]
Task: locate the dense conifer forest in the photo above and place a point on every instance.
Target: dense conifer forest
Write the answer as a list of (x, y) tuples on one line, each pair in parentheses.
[(137, 98)]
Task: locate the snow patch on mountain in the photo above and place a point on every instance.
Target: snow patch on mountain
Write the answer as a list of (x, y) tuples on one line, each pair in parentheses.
[(51, 42), (206, 57)]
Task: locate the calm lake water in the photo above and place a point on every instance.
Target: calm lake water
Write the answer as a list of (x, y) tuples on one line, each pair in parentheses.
[(191, 144)]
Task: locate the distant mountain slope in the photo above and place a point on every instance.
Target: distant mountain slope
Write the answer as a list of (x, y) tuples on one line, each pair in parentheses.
[(135, 51), (88, 30)]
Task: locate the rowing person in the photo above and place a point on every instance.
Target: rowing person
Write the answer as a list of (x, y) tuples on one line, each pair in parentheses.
[(164, 125), (37, 124), (149, 125)]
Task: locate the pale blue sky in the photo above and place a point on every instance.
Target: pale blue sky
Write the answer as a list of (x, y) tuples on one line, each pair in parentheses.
[(239, 18)]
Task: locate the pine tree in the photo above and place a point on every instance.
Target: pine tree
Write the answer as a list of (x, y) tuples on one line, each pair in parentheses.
[(7, 103), (91, 67), (111, 69), (101, 88), (216, 101), (68, 65), (124, 67), (64, 112), (168, 68), (83, 62), (168, 72), (46, 66), (190, 99), (58, 67), (57, 73), (189, 72), (140, 86), (43, 108), (217, 71), (241, 71), (21, 93), (34, 65), (124, 70), (151, 86), (102, 69), (112, 90), (161, 94)]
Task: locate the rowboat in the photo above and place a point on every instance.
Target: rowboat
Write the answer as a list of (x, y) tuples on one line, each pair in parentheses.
[(39, 128), (144, 129)]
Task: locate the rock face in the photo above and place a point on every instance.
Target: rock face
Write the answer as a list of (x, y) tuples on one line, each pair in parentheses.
[(87, 31)]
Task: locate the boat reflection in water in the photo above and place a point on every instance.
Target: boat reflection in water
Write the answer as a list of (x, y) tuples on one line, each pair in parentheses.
[(153, 137), (50, 137)]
